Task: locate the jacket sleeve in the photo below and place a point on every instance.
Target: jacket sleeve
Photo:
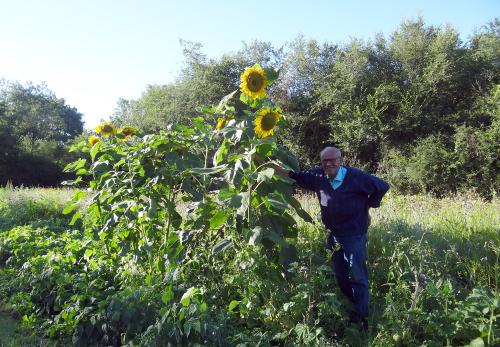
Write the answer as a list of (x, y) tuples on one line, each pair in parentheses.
[(377, 190), (304, 179)]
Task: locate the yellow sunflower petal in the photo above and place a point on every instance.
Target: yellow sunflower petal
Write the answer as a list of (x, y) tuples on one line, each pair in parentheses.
[(253, 82), (266, 121), (106, 129), (127, 131), (221, 123), (93, 140)]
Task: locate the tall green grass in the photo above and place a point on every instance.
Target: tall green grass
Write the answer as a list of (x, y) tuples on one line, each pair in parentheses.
[(37, 207), (434, 269)]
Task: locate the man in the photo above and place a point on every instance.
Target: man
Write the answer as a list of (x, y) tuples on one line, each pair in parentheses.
[(345, 195)]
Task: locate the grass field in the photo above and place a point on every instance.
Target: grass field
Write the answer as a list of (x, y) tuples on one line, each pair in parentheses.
[(434, 272)]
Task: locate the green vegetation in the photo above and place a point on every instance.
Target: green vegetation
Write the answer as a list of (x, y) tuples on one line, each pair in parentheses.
[(434, 271), (12, 334), (35, 128), (420, 108), (37, 207), (187, 236)]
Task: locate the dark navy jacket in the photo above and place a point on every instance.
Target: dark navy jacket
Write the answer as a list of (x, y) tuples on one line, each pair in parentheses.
[(344, 211)]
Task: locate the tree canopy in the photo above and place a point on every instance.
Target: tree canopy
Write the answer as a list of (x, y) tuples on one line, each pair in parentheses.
[(419, 107), (35, 127)]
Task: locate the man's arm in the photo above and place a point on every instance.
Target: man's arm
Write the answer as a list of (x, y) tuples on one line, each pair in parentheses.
[(304, 179), (379, 188)]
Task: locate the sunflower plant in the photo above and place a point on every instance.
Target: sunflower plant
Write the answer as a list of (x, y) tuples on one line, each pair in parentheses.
[(256, 198), (136, 185)]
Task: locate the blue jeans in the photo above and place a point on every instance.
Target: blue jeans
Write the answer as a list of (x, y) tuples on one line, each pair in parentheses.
[(349, 260)]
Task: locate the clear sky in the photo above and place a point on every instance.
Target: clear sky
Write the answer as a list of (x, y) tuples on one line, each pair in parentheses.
[(91, 52)]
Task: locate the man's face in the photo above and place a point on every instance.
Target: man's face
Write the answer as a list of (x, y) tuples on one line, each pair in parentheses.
[(330, 162)]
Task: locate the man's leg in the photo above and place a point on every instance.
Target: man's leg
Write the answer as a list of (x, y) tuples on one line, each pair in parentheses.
[(341, 268), (351, 271)]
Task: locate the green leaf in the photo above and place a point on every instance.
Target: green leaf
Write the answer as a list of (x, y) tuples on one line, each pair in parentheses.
[(245, 99), (222, 245), (235, 201), (265, 175), (80, 163), (288, 254), (208, 170), (287, 159), (275, 223), (69, 208), (265, 149), (234, 157), (224, 101), (95, 149), (477, 342), (235, 175), (207, 109), (199, 123), (100, 167), (276, 238), (277, 201), (176, 218), (76, 216), (245, 201), (153, 208), (192, 323), (88, 253), (221, 152), (300, 211), (256, 237), (81, 172), (232, 305), (290, 232), (188, 296), (218, 219), (249, 102), (271, 75), (168, 294)]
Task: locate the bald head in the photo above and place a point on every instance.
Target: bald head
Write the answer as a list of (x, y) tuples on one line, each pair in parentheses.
[(329, 150)]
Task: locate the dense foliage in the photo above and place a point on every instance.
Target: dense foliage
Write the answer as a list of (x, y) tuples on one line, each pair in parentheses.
[(420, 107), (35, 127), (434, 272), (189, 237)]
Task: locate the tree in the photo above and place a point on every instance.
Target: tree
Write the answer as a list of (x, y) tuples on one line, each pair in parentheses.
[(302, 77), (34, 127), (379, 100)]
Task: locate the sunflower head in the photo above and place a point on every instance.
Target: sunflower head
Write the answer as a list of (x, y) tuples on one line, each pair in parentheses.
[(221, 123), (253, 82), (266, 121), (127, 131), (93, 140), (105, 129)]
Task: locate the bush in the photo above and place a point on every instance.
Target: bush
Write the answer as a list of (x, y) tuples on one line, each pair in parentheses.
[(476, 160)]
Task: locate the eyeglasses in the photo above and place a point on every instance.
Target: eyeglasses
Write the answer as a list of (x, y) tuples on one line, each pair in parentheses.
[(332, 160)]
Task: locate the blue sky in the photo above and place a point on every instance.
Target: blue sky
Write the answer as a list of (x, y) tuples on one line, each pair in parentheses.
[(92, 52)]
